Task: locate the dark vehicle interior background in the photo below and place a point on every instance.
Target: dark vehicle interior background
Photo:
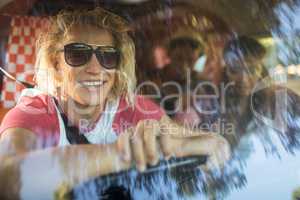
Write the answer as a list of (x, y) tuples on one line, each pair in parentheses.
[(265, 162)]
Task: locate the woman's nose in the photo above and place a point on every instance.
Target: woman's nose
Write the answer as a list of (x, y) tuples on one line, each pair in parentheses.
[(93, 66)]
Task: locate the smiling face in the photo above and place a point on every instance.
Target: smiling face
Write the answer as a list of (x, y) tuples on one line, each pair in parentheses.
[(91, 83)]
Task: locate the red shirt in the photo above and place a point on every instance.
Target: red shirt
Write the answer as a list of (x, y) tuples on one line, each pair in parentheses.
[(38, 114)]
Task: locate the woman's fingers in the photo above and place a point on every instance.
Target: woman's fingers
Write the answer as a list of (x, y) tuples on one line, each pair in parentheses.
[(166, 137), (215, 162), (215, 147), (201, 145), (191, 147), (182, 141), (168, 146), (140, 144), (123, 144), (150, 132), (221, 153), (137, 147)]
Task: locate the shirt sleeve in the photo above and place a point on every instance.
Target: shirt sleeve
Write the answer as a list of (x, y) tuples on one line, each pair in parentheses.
[(30, 115)]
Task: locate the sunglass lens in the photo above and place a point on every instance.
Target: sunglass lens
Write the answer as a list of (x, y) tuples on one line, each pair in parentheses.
[(109, 59), (77, 54)]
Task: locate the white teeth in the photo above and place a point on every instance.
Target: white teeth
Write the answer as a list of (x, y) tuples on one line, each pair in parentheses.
[(92, 83)]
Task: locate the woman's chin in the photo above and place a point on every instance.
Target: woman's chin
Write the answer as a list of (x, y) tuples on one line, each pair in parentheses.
[(89, 99), (85, 101), (90, 102)]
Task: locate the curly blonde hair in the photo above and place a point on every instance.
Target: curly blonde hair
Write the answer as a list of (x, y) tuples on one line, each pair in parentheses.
[(59, 28)]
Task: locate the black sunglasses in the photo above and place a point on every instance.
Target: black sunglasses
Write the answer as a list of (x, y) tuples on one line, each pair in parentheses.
[(78, 54)]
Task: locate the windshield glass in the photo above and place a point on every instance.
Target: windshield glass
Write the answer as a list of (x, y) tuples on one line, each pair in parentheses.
[(150, 99)]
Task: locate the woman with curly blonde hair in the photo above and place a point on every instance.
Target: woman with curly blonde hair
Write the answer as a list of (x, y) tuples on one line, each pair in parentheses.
[(85, 74)]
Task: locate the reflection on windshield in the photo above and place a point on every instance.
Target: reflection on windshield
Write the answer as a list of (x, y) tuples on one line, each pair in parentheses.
[(233, 94), (265, 140)]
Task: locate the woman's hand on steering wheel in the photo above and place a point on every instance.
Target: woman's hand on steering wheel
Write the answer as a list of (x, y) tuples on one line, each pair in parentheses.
[(149, 140)]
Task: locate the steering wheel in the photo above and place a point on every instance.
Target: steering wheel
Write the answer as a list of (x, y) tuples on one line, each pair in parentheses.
[(130, 184)]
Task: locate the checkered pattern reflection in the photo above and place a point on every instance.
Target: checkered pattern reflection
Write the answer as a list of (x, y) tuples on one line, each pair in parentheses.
[(20, 55)]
